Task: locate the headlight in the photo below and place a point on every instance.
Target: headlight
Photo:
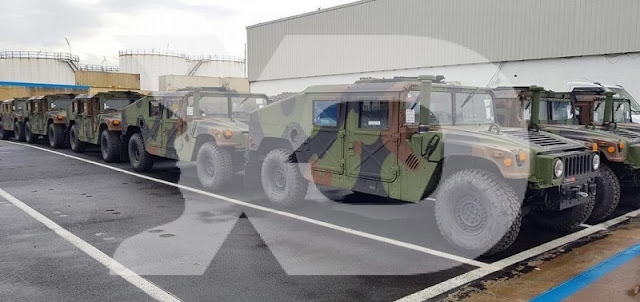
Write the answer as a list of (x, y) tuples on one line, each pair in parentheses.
[(596, 162), (558, 168)]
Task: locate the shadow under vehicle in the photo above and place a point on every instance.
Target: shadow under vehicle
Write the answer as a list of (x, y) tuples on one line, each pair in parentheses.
[(409, 138), (47, 116), (202, 125), (96, 120), (12, 119), (555, 112)]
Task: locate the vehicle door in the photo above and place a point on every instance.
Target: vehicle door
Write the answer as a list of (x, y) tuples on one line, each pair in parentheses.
[(39, 118), (324, 148), (372, 138), (85, 120), (174, 127), (154, 139)]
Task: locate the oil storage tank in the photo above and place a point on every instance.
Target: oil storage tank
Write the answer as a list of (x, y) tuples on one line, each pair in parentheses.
[(38, 67), (216, 66), (151, 64)]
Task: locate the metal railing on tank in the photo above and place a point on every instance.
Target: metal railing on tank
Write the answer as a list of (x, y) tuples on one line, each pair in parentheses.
[(22, 54), (90, 67)]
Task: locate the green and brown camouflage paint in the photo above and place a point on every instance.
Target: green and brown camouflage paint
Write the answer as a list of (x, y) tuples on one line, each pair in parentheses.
[(407, 159), (44, 110)]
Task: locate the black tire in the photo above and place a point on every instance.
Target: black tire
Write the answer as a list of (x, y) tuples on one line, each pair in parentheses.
[(631, 198), (29, 137), (214, 166), (139, 158), (4, 135), (478, 212), (18, 132), (565, 220), (282, 181), (110, 146), (607, 195), (76, 144), (56, 135)]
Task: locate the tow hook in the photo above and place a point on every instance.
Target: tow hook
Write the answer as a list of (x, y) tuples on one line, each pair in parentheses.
[(583, 194)]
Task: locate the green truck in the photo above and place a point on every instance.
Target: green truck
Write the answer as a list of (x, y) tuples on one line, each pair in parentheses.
[(555, 112), (47, 116), (203, 125), (12, 118), (411, 138), (96, 120)]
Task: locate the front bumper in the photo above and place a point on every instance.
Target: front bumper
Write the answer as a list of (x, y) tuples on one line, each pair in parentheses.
[(568, 195)]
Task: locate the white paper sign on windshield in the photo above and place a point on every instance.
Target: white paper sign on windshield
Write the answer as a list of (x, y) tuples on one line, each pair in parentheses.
[(410, 116), (189, 110)]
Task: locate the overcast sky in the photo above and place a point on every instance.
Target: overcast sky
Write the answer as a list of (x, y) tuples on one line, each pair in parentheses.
[(100, 28)]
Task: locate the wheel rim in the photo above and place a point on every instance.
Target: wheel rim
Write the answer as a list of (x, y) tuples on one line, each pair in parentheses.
[(279, 179), (210, 168), (136, 153), (471, 215), (104, 146)]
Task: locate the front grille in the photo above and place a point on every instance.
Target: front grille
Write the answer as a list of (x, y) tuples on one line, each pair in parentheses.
[(575, 165), (537, 138)]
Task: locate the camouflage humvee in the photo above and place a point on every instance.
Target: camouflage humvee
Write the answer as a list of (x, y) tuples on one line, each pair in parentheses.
[(47, 116), (12, 117), (205, 125), (95, 119), (619, 149), (409, 138)]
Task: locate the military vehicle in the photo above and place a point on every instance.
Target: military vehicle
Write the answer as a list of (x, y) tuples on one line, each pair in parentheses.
[(202, 125), (408, 138), (556, 114), (12, 117), (47, 116), (96, 120)]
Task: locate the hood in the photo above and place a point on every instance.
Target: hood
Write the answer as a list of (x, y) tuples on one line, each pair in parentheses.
[(221, 124), (541, 142), (580, 132)]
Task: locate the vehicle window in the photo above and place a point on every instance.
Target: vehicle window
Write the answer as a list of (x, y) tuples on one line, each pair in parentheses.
[(474, 109), (561, 110), (374, 115), (441, 108), (412, 108), (61, 104), (20, 106), (154, 109), (242, 106), (544, 110), (116, 104), (173, 109), (325, 113), (621, 112), (623, 94), (213, 106)]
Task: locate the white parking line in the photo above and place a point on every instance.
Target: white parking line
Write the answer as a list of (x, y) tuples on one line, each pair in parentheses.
[(145, 285), (390, 241), (479, 273)]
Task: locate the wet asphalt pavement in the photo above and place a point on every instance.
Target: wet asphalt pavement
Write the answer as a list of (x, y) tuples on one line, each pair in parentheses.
[(201, 248)]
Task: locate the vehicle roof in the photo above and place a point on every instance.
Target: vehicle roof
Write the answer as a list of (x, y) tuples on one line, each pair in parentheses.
[(398, 84), (109, 93)]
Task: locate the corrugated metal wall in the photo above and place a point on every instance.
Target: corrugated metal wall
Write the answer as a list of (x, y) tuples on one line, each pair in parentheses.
[(396, 34)]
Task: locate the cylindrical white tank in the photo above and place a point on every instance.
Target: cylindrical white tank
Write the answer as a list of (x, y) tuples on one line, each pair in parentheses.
[(151, 65), (217, 67), (38, 67)]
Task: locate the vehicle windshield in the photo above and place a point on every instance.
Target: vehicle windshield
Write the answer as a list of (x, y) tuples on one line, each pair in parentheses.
[(218, 106), (474, 108), (20, 105), (621, 111), (621, 93), (560, 110), (61, 104), (116, 104)]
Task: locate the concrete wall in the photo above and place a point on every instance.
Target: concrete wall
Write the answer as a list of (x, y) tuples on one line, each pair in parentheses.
[(175, 82), (108, 79)]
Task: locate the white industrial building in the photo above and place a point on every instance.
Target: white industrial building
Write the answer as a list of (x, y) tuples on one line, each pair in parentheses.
[(481, 43)]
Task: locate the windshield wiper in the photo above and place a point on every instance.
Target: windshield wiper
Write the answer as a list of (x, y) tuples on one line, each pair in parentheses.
[(598, 106), (469, 97)]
